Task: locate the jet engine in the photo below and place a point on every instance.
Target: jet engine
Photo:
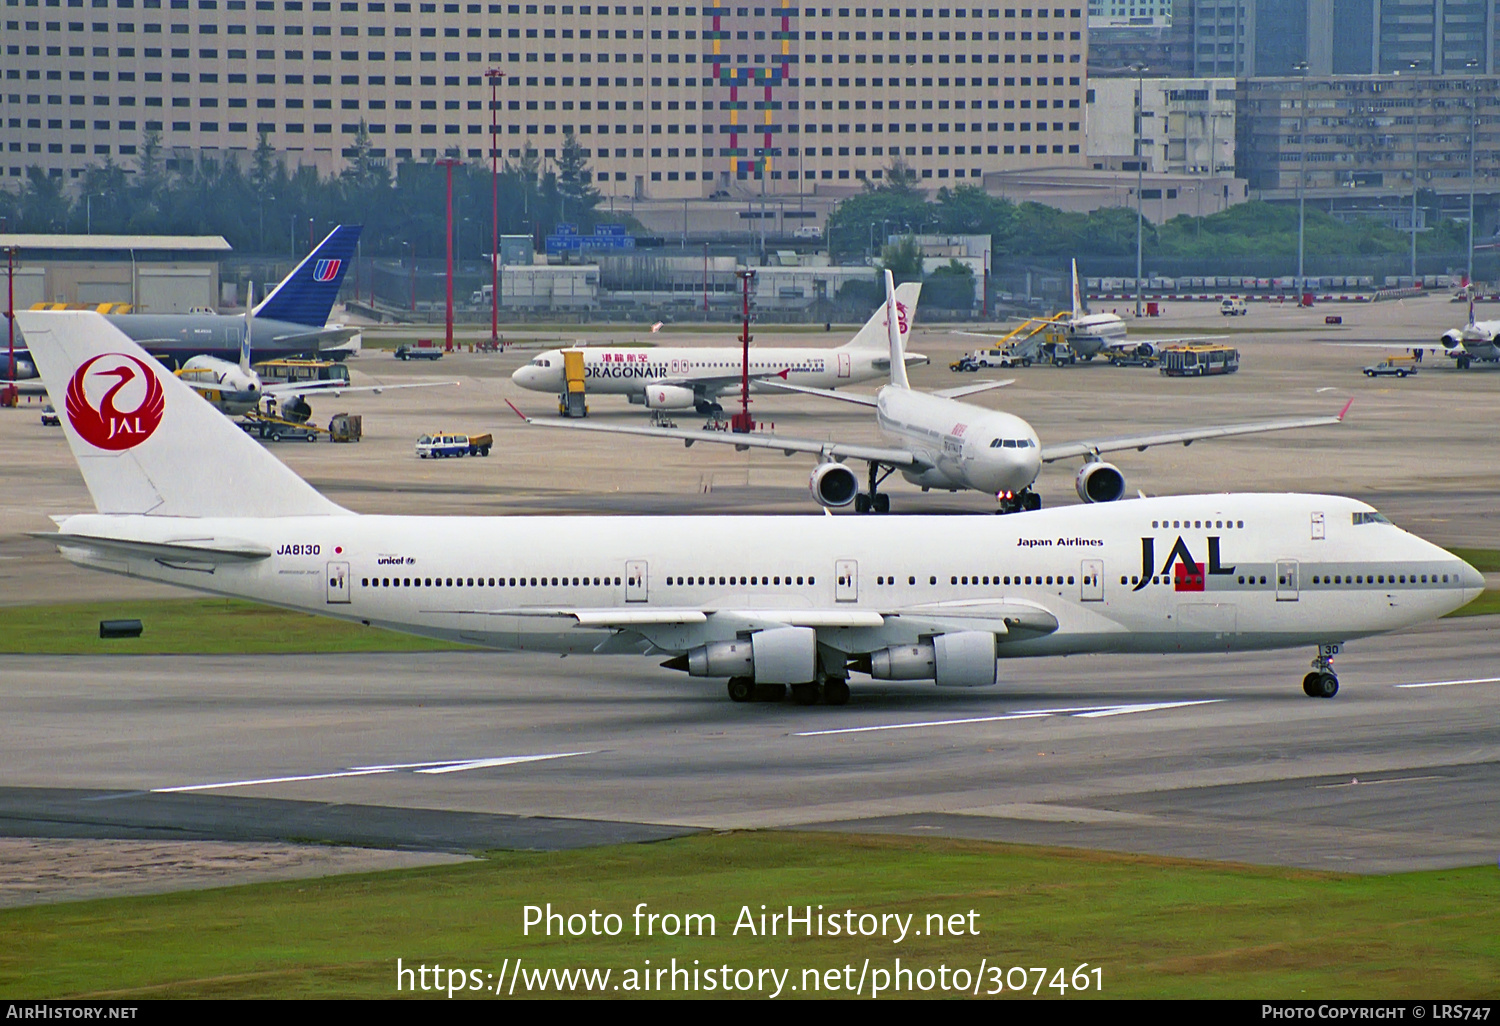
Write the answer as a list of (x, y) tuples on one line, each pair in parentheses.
[(1099, 482), (669, 397), (1145, 350), (963, 659), (833, 484), (781, 655)]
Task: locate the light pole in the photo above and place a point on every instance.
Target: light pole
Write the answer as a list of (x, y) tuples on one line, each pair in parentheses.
[(447, 164), (10, 319), (1301, 68), (411, 273), (494, 75), (1472, 64), (1140, 159), (1413, 65)]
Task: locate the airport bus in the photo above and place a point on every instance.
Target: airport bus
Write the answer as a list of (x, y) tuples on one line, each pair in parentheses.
[(1197, 360), (301, 371)]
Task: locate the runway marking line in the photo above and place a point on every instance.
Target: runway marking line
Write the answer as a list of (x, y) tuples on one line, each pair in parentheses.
[(1080, 712), (1447, 683), (448, 766)]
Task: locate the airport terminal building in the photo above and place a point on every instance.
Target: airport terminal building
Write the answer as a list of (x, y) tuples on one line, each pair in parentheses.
[(669, 102)]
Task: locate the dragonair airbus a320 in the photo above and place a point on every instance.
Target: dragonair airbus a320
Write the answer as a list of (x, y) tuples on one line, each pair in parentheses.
[(185, 497)]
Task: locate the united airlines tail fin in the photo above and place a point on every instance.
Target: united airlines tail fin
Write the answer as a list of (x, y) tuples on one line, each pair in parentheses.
[(145, 442), (873, 334), (245, 338), (306, 295), (895, 336), (1077, 295)]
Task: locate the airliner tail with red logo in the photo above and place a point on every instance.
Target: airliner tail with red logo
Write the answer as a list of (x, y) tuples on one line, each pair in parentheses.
[(144, 441)]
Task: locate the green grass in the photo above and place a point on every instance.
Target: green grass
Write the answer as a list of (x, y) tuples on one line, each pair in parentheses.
[(1486, 561), (1156, 927), (1486, 604), (193, 626)]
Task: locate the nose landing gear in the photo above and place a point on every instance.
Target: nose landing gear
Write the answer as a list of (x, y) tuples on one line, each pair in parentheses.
[(1322, 682), (1016, 502)]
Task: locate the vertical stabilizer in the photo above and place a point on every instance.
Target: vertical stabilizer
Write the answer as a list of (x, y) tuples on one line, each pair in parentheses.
[(1077, 295), (147, 443), (895, 334), (245, 338), (873, 334), (306, 295)]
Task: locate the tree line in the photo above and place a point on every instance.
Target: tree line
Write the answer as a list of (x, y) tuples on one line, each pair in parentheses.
[(862, 224), (261, 207)]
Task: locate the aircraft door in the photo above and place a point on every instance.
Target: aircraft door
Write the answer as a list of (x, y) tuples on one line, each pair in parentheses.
[(636, 580), (1286, 580), (1318, 527), (1091, 578), (846, 580), (843, 365), (338, 583)]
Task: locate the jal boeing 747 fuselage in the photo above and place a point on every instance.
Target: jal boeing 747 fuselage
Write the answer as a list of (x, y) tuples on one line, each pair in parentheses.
[(185, 497)]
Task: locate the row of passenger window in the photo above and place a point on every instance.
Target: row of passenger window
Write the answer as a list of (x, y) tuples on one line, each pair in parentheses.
[(1379, 579), (480, 582), (758, 581), (989, 579), (1199, 524)]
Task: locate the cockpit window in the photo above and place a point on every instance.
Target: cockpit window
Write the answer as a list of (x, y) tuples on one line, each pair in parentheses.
[(1370, 518), (1012, 443)]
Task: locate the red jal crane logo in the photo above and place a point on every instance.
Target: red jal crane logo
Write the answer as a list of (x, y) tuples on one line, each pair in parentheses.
[(105, 426)]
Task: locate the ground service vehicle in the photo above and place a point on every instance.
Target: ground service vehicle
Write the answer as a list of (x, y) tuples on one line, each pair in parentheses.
[(49, 416), (447, 443), (346, 427), (1392, 367), (271, 428), (404, 352), (1233, 308), (1194, 361), (299, 372)]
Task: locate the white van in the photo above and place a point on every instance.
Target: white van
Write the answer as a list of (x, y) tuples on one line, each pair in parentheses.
[(1233, 308), (808, 231)]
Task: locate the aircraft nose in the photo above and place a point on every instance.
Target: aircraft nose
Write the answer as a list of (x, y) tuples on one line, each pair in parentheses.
[(1471, 579), (524, 376)]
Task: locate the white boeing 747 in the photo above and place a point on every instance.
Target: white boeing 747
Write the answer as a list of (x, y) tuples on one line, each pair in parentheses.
[(693, 378), (946, 444), (186, 498)]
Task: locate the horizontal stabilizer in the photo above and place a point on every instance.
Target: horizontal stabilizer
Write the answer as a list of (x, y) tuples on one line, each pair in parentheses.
[(198, 550)]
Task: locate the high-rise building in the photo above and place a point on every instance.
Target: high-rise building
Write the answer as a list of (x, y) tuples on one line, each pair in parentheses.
[(667, 101)]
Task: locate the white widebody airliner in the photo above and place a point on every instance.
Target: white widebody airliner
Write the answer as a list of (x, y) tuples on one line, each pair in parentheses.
[(186, 498), (943, 443), (693, 378), (1477, 341)]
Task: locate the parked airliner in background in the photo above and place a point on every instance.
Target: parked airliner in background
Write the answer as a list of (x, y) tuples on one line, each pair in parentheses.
[(292, 321), (185, 497), (1089, 334), (693, 378), (946, 444), (236, 388), (1476, 341)]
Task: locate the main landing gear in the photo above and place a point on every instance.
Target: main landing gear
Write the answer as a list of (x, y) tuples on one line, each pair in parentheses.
[(1322, 682), (1025, 500), (828, 690), (874, 501)]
